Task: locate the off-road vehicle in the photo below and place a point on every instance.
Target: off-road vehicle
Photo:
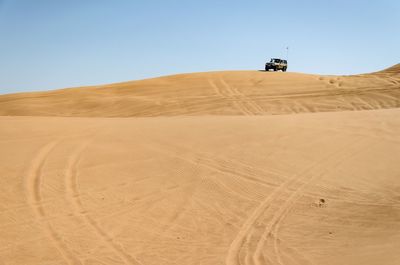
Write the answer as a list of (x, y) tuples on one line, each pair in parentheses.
[(276, 64)]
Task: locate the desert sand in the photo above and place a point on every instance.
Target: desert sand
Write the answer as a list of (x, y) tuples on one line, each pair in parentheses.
[(239, 167)]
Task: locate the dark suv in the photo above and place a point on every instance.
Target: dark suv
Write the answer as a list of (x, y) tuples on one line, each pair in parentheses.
[(276, 64)]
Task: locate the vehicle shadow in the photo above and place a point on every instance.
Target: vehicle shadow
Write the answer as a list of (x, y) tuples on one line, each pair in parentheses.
[(269, 71)]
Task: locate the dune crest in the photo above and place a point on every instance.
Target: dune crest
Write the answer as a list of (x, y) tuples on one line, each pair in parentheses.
[(214, 93)]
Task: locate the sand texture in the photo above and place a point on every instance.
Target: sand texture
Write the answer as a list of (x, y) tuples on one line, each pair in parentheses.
[(215, 93), (233, 168)]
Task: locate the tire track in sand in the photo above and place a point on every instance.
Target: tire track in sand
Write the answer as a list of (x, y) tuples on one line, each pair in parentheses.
[(34, 183), (236, 245), (250, 104), (227, 93), (281, 214), (73, 195)]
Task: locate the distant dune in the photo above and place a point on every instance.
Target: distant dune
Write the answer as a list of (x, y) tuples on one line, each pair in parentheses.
[(195, 169), (214, 93)]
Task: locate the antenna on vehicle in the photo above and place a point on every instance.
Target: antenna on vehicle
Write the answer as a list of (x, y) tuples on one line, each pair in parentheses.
[(287, 53)]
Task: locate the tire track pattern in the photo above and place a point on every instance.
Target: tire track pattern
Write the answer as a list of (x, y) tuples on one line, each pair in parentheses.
[(246, 232), (247, 102), (73, 195), (281, 214), (34, 187), (240, 101)]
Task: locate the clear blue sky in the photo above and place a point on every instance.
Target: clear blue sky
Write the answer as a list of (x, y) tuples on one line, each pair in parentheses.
[(48, 44)]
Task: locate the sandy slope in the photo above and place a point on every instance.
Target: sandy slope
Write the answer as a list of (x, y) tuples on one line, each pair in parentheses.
[(215, 93), (304, 189)]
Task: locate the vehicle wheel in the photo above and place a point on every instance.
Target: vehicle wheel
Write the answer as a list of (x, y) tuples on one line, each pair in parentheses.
[(266, 69), (284, 69)]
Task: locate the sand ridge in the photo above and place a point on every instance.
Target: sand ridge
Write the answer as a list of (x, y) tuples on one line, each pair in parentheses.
[(214, 93)]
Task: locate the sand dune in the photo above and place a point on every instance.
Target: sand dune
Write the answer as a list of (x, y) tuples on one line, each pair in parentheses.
[(215, 93), (210, 177)]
